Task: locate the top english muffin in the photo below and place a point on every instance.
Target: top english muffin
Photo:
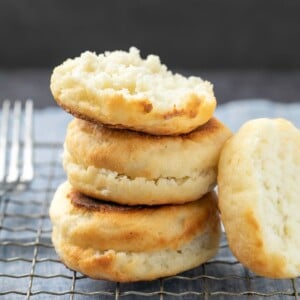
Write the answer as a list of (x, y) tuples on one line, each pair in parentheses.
[(122, 90)]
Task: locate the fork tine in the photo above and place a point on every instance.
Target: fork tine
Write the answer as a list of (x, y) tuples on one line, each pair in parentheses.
[(13, 171), (3, 138), (27, 171)]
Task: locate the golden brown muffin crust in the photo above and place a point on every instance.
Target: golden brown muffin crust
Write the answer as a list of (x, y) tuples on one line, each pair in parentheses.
[(149, 156), (131, 228)]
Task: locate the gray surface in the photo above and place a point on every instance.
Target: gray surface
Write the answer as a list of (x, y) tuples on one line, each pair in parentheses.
[(29, 265), (283, 86)]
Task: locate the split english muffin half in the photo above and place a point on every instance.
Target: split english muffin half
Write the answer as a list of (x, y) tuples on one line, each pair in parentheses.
[(123, 90), (259, 188)]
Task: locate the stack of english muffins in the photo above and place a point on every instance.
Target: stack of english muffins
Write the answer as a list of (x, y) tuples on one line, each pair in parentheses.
[(141, 159)]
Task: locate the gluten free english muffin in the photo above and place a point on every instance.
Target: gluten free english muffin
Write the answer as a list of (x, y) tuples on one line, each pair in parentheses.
[(135, 168), (259, 188), (125, 243), (123, 90)]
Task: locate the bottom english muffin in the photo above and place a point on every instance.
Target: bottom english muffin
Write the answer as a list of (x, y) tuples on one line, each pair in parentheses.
[(132, 243)]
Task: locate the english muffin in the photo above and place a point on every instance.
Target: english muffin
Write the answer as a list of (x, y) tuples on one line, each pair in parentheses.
[(125, 243), (123, 90), (259, 188), (135, 168)]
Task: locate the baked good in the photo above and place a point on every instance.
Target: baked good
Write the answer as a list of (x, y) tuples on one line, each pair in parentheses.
[(123, 90), (259, 188), (126, 243), (135, 168)]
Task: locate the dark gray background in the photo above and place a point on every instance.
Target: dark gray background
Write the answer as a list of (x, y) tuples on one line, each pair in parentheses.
[(248, 48)]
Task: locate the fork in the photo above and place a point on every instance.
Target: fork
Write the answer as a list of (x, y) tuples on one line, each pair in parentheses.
[(16, 169)]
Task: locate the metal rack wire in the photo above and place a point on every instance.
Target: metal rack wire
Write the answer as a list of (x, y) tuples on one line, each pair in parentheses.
[(30, 268)]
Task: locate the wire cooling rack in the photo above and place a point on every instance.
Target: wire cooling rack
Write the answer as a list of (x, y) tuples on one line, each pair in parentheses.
[(30, 268)]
